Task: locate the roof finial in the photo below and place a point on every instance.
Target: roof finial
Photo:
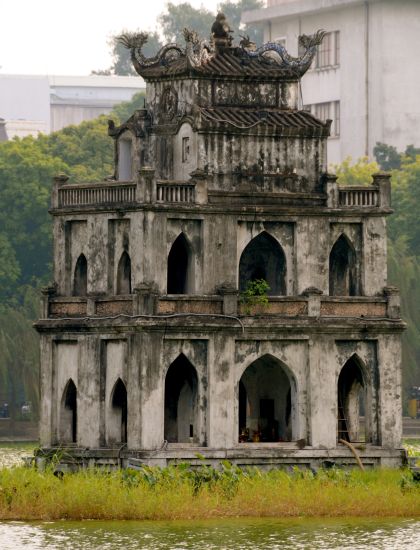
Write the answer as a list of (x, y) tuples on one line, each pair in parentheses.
[(221, 33)]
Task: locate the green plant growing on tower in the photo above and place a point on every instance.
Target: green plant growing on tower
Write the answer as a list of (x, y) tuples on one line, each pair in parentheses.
[(255, 294)]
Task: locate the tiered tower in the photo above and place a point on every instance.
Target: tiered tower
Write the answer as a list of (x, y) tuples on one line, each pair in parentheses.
[(148, 351)]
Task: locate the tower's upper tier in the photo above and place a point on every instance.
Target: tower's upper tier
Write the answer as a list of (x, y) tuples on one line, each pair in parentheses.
[(219, 57)]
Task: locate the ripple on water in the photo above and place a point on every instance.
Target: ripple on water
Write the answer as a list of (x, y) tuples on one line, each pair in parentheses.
[(255, 534)]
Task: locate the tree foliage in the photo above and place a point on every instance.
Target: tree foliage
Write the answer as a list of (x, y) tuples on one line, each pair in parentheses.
[(359, 173)]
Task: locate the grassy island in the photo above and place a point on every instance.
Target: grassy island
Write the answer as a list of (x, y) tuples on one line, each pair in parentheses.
[(180, 492)]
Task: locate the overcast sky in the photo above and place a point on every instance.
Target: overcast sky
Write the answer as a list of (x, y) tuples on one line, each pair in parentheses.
[(70, 37)]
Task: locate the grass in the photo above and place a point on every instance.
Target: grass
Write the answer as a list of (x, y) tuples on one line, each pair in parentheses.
[(178, 492)]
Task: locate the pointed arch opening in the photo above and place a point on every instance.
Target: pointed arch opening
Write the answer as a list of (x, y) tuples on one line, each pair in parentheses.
[(353, 418), (80, 277), (267, 402), (343, 268), (181, 402), (264, 258), (117, 418), (180, 267), (124, 274), (68, 414)]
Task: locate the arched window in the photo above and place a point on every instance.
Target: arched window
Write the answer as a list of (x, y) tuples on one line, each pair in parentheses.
[(80, 277), (343, 274), (267, 402), (124, 274), (352, 407), (263, 258), (117, 418), (180, 276), (181, 402), (68, 414)]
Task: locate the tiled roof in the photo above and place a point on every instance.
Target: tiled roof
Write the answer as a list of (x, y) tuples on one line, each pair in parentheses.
[(284, 121), (226, 64)]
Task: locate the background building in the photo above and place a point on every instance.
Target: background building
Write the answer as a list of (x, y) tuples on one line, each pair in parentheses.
[(33, 104), (363, 75)]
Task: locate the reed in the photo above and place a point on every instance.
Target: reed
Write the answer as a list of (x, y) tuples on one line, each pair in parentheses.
[(179, 492)]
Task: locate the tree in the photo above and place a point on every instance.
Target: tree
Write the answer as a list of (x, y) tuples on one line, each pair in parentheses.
[(359, 173), (387, 156)]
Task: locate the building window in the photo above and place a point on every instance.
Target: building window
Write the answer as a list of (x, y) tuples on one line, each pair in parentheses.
[(281, 41), (185, 149), (329, 110), (328, 52)]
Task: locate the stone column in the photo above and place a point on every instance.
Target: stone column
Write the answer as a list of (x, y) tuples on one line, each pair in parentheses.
[(331, 190), (88, 391), (223, 398), (383, 181), (322, 388), (46, 391), (145, 298), (393, 309), (230, 299), (146, 188), (314, 301), (390, 390)]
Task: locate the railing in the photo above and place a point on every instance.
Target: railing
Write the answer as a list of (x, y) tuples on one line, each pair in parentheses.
[(96, 194), (287, 306), (175, 192), (359, 196)]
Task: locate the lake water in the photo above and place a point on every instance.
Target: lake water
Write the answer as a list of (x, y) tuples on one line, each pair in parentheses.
[(255, 534)]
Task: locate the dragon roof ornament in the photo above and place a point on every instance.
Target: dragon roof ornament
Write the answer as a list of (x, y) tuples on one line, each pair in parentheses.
[(198, 54)]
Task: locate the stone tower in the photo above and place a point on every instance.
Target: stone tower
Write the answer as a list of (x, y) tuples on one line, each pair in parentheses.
[(150, 351)]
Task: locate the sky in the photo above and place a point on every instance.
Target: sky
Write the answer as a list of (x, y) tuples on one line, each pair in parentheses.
[(70, 37)]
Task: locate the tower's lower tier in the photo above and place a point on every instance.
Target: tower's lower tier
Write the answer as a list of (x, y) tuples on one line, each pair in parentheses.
[(263, 456), (258, 391)]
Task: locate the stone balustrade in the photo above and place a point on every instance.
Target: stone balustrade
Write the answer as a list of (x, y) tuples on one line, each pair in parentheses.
[(175, 192), (312, 305), (94, 194), (149, 190)]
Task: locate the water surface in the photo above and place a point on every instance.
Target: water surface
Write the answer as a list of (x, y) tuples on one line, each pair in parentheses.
[(255, 534)]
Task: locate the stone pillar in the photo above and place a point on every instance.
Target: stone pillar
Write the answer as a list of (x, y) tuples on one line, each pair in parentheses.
[(152, 390), (390, 390), (200, 179), (222, 393), (88, 391), (322, 382), (145, 298), (146, 188), (230, 299), (383, 181), (393, 302), (58, 181), (314, 301), (331, 190), (134, 394), (46, 391), (47, 293)]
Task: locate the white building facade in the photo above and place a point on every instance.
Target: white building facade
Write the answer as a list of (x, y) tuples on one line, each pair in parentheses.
[(42, 104), (363, 77)]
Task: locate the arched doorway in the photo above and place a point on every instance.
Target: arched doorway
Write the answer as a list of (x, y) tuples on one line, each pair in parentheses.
[(124, 274), (263, 258), (80, 277), (181, 402), (68, 414), (117, 418), (267, 397), (343, 269), (353, 415), (180, 276)]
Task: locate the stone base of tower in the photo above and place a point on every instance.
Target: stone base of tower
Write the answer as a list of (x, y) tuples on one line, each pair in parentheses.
[(263, 456)]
